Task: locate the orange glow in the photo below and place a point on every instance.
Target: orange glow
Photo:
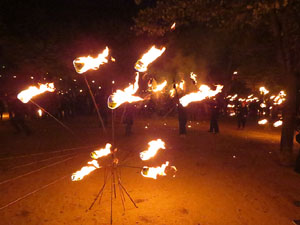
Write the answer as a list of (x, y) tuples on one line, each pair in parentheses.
[(26, 95), (40, 112), (193, 76), (160, 87), (120, 97), (5, 116), (80, 174), (172, 92), (101, 152), (263, 90), (173, 26), (203, 93), (263, 105), (232, 114), (280, 98), (262, 122), (153, 148), (181, 85), (152, 54), (83, 64), (277, 123), (153, 172)]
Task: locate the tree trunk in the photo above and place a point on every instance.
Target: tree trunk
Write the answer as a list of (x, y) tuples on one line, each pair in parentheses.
[(289, 116)]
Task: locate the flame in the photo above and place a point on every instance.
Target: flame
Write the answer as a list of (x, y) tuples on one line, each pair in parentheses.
[(172, 92), (203, 93), (83, 64), (153, 148), (262, 122), (40, 112), (153, 172), (80, 174), (152, 54), (173, 26), (120, 97), (232, 114), (193, 76), (263, 105), (181, 85), (232, 98), (26, 95), (101, 152), (160, 87), (280, 98), (277, 123), (263, 90)]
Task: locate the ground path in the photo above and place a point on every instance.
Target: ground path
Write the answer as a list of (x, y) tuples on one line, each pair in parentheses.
[(229, 178)]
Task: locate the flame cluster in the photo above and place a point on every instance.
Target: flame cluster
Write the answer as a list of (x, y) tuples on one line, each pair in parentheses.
[(93, 164), (127, 95), (153, 172)]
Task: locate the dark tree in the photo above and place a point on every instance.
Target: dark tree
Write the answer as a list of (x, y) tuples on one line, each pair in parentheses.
[(276, 20)]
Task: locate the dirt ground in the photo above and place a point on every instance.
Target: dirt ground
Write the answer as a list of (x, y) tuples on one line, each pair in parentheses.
[(231, 178)]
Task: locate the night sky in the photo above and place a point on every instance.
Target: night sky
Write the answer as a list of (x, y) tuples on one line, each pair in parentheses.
[(43, 37)]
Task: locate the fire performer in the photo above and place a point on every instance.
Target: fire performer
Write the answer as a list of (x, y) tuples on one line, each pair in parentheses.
[(2, 109), (242, 113), (128, 119), (297, 167), (182, 119), (214, 126)]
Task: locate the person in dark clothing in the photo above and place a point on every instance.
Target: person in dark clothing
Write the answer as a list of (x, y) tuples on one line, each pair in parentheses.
[(242, 113), (2, 109), (17, 114), (128, 119), (297, 166), (214, 126), (182, 119)]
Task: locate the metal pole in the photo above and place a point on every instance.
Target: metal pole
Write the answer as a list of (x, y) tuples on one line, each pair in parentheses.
[(61, 123), (95, 104)]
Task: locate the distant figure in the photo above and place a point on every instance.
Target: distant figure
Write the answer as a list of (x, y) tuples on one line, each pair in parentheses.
[(2, 109), (17, 113), (128, 119), (182, 119), (214, 127), (242, 113), (297, 166)]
